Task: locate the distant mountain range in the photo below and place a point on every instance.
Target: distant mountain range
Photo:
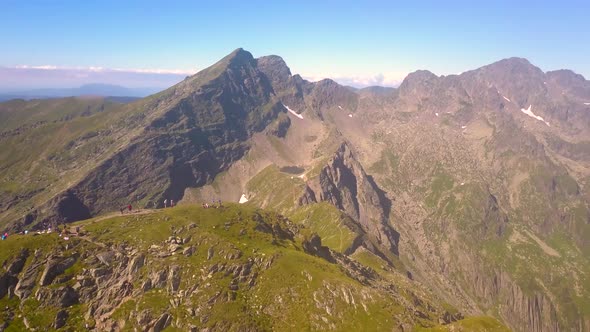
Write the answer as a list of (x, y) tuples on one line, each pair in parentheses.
[(96, 89), (460, 203)]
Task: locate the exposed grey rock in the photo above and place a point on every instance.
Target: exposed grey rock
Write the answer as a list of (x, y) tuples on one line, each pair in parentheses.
[(27, 281), (55, 267), (188, 251), (344, 183), (210, 253), (174, 247), (146, 285), (174, 278), (17, 264), (106, 257), (7, 282), (159, 278), (162, 322), (60, 297), (99, 272), (144, 317), (136, 263), (60, 319)]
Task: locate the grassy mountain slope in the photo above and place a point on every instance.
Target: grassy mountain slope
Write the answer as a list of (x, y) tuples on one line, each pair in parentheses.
[(233, 268)]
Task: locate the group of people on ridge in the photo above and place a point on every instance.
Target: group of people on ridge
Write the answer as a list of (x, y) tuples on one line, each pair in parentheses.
[(213, 204)]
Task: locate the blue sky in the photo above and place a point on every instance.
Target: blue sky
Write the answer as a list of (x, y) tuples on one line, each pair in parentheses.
[(355, 42)]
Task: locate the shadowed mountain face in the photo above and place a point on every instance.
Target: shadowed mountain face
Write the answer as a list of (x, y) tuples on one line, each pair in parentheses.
[(473, 186)]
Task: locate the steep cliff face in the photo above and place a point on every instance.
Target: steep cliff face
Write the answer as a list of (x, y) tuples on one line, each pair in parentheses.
[(523, 311), (343, 183)]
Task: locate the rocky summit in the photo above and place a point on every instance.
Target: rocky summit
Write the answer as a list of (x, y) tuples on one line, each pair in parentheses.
[(451, 203)]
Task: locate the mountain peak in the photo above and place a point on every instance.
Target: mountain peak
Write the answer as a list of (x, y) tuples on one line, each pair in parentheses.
[(566, 75), (421, 75), (515, 61), (514, 65), (273, 60), (275, 67), (239, 55), (417, 81), (237, 58)]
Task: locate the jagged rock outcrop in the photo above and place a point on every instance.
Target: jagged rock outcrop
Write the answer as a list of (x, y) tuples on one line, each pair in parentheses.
[(344, 184), (280, 127), (523, 311), (8, 278), (54, 267)]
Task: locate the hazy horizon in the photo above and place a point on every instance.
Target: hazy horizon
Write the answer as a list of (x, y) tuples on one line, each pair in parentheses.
[(69, 44)]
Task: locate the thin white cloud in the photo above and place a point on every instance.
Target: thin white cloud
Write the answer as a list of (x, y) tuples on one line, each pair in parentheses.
[(24, 77), (158, 71), (102, 69), (51, 75), (46, 67), (360, 81)]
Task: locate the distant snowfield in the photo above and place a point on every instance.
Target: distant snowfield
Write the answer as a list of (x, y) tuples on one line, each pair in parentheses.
[(293, 112), (436, 114), (340, 107), (586, 104), (243, 199), (532, 115), (508, 100), (350, 115)]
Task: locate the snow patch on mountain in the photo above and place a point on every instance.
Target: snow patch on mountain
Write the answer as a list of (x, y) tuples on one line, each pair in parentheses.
[(293, 112), (587, 104), (243, 199), (436, 114), (350, 115), (533, 115), (508, 100), (340, 107)]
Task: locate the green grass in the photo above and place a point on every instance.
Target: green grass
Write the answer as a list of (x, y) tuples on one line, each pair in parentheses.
[(328, 222), (441, 182), (315, 277), (387, 164), (292, 289), (369, 259), (274, 189), (479, 324)]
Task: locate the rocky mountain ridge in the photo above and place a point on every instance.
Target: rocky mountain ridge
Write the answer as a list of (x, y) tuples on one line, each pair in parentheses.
[(467, 184)]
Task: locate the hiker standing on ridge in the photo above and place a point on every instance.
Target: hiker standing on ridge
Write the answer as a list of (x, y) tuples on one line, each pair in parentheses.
[(165, 203), (171, 203)]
